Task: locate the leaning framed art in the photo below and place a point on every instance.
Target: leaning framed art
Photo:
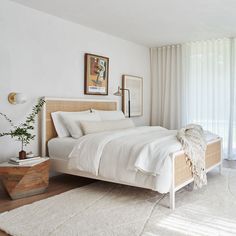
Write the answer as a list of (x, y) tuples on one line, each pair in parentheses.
[(135, 86), (96, 74)]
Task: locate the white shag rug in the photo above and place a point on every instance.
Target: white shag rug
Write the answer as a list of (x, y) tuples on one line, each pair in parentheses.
[(110, 209)]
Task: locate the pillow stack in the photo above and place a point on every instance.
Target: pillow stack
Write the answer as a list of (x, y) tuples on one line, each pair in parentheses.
[(72, 121), (76, 124)]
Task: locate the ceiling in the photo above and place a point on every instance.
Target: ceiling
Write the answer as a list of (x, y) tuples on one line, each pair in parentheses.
[(148, 22)]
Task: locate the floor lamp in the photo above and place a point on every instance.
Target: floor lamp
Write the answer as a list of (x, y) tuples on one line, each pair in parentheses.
[(119, 93)]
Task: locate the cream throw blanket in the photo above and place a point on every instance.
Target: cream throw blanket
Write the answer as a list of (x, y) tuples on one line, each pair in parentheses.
[(194, 145)]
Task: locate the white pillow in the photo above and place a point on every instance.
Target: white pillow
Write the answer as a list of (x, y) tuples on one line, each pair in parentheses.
[(90, 127), (72, 121), (59, 125), (110, 115)]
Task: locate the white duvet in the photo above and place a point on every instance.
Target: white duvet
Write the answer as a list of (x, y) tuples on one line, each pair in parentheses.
[(144, 148), (139, 156)]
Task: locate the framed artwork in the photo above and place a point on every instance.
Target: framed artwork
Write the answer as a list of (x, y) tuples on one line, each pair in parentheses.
[(135, 86), (96, 74)]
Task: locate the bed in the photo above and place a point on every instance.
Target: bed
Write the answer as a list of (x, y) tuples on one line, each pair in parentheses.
[(177, 174)]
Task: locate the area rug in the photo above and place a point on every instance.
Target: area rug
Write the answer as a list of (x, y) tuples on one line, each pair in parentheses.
[(104, 208)]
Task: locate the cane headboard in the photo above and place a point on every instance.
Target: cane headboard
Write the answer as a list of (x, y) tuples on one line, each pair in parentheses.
[(65, 104)]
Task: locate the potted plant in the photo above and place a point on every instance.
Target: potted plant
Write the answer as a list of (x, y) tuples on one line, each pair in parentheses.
[(23, 131)]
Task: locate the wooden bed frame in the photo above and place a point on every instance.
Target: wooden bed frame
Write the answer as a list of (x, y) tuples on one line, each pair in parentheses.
[(181, 173)]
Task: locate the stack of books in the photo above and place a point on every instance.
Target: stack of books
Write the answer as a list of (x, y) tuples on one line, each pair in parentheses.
[(27, 161)]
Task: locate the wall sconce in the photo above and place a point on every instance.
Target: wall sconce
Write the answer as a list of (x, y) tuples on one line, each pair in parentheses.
[(17, 98), (119, 93)]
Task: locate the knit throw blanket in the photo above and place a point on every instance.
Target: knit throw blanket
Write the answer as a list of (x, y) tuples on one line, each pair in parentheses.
[(194, 145)]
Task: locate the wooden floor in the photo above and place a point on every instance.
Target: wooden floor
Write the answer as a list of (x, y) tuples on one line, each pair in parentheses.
[(57, 184)]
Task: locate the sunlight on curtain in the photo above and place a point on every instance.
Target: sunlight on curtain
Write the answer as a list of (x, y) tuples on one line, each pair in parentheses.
[(209, 88), (196, 83)]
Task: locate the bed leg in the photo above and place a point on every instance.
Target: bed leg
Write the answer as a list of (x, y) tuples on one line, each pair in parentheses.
[(172, 199), (221, 156), (172, 188), (220, 168)]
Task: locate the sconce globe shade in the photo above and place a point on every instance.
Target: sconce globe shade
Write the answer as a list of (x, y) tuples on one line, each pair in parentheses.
[(21, 98)]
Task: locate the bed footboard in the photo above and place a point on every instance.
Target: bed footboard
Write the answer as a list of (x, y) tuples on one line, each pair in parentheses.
[(181, 173)]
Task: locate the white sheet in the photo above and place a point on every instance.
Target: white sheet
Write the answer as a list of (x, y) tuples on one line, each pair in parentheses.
[(61, 147)]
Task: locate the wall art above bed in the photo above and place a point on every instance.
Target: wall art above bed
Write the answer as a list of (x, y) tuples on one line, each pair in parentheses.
[(135, 85), (96, 74)]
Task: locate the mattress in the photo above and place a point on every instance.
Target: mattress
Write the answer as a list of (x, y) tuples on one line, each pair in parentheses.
[(61, 147)]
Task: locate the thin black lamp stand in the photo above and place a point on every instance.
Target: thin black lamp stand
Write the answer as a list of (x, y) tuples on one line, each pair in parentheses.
[(118, 93)]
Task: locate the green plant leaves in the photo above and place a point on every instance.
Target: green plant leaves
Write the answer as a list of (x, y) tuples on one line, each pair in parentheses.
[(22, 132)]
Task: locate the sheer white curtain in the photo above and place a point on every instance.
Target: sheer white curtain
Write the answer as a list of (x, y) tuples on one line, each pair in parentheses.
[(232, 121), (208, 75), (204, 89), (166, 70)]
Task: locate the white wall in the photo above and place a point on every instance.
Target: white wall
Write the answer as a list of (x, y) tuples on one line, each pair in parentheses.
[(43, 55)]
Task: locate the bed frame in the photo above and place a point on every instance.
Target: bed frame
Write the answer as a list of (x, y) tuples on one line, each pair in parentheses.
[(181, 173)]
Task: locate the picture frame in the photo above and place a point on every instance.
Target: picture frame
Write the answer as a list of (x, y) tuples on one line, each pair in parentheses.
[(96, 74), (135, 85)]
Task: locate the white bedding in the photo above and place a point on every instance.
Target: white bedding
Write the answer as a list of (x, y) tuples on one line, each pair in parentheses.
[(61, 147), (128, 155), (138, 156), (144, 148)]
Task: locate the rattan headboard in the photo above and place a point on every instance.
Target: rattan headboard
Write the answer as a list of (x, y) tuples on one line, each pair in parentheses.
[(66, 104)]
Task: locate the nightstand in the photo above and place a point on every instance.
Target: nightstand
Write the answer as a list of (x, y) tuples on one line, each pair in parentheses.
[(25, 180)]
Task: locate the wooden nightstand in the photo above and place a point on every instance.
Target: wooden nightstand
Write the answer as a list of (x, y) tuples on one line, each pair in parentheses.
[(26, 180)]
